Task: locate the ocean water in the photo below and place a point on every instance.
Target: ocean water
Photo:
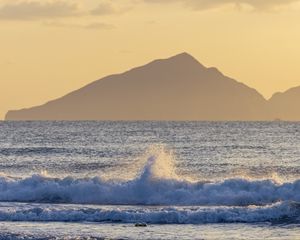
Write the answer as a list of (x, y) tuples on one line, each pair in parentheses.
[(185, 180)]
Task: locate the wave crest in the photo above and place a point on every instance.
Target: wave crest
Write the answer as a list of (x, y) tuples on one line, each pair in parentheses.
[(156, 184), (280, 213), (145, 190)]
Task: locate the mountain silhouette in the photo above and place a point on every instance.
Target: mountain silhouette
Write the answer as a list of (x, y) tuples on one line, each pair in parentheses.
[(285, 106), (177, 88)]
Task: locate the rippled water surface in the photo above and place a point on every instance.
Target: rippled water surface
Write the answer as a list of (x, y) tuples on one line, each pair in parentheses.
[(183, 179)]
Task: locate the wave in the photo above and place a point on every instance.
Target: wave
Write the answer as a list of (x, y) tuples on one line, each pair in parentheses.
[(155, 184), (231, 192), (145, 190), (280, 213)]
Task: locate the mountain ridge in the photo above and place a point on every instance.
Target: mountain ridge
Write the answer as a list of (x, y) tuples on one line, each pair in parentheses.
[(176, 88)]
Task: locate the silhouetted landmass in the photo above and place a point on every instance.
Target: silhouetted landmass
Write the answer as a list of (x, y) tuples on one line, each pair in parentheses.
[(285, 106), (178, 88)]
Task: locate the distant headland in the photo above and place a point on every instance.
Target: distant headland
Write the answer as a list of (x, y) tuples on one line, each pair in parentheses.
[(178, 88)]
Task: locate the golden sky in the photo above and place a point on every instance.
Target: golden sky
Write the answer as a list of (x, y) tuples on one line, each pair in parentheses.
[(50, 47)]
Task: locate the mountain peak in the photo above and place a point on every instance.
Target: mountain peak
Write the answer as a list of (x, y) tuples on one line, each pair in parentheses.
[(181, 60), (184, 56)]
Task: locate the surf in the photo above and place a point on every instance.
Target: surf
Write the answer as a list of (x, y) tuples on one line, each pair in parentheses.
[(279, 213), (155, 182)]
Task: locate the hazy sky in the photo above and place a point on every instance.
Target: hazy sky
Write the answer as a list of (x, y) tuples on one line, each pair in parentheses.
[(48, 48)]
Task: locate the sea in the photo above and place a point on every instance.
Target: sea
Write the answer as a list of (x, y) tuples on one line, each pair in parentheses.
[(149, 180)]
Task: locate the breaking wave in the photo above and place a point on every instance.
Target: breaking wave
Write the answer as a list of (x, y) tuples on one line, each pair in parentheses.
[(280, 213), (155, 195), (155, 184)]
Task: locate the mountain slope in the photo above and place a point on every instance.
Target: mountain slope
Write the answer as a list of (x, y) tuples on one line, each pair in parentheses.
[(177, 88), (285, 106)]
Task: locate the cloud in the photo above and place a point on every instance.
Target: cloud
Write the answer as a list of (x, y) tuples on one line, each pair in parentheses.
[(103, 9), (48, 9), (106, 8), (98, 25), (89, 26), (31, 10), (212, 4)]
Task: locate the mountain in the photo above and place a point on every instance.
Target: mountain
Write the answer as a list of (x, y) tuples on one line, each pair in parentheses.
[(285, 106), (177, 88)]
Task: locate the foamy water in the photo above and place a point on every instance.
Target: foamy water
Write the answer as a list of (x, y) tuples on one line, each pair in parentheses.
[(157, 184), (162, 174)]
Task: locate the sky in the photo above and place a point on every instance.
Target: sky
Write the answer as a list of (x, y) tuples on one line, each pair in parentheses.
[(51, 47)]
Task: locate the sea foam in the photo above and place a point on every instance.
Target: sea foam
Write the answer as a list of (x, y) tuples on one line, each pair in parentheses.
[(156, 184), (280, 213)]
